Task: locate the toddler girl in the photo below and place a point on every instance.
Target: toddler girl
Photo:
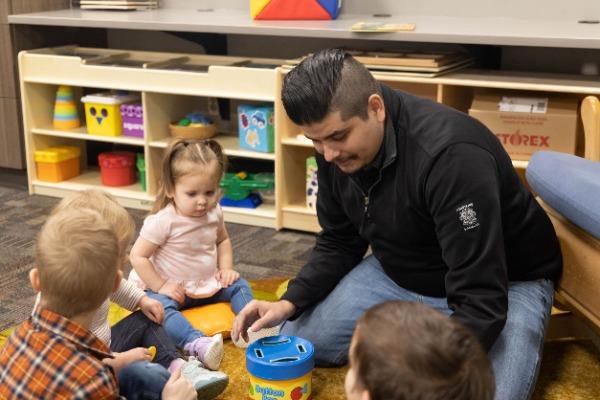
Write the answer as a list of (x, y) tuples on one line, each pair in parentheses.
[(183, 256)]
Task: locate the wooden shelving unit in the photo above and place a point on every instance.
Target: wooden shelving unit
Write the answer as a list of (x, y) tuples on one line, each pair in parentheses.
[(454, 89), (169, 87)]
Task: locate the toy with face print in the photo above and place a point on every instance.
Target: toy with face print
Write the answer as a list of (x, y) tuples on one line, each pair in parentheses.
[(102, 113)]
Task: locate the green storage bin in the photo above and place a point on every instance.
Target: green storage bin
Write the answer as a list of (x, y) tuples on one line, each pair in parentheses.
[(141, 167)]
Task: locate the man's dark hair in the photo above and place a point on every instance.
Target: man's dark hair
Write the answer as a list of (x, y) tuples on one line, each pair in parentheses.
[(409, 351), (327, 81)]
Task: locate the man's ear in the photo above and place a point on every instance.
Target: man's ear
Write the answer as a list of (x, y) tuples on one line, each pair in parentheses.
[(118, 278), (377, 106), (365, 395), (34, 279)]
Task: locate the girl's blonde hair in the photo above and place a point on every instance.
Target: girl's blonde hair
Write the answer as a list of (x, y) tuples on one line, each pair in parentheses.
[(183, 156)]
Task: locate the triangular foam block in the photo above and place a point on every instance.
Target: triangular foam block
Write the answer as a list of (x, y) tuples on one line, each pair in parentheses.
[(331, 6), (294, 9), (256, 6)]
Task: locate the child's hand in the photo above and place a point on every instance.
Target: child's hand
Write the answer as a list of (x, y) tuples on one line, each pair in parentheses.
[(152, 309), (227, 276), (125, 358), (173, 290)]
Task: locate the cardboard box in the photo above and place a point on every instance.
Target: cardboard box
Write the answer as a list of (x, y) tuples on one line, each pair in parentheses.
[(529, 123)]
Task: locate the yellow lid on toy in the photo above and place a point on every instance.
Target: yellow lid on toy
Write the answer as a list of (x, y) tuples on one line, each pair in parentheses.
[(57, 154)]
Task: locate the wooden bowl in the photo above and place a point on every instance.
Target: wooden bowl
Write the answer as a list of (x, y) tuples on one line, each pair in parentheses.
[(193, 132)]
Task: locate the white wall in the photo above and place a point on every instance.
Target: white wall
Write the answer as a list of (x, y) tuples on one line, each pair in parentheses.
[(516, 58), (150, 41)]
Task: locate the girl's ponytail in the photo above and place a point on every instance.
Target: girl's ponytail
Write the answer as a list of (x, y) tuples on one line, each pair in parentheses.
[(197, 153)]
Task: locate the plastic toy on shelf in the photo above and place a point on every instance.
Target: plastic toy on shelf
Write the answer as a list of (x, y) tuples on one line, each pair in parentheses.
[(56, 164), (140, 164), (238, 189), (312, 183), (65, 109), (117, 168), (132, 116), (255, 127), (103, 114), (194, 125)]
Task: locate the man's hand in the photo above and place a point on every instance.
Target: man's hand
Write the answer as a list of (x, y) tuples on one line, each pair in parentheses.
[(226, 277), (173, 290), (152, 309), (261, 314), (178, 388)]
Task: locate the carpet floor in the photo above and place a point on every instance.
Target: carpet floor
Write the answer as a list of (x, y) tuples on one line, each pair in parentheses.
[(570, 369)]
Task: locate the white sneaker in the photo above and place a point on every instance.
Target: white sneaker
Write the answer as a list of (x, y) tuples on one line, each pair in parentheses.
[(209, 350), (208, 384), (254, 336)]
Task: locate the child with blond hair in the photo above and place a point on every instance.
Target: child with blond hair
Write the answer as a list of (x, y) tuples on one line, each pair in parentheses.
[(54, 354), (131, 337), (183, 256), (407, 350)]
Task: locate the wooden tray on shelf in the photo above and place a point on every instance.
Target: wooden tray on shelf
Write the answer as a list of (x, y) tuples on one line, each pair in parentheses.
[(424, 64)]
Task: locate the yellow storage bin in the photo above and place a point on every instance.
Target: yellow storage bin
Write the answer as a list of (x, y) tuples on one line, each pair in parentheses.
[(103, 114), (56, 164)]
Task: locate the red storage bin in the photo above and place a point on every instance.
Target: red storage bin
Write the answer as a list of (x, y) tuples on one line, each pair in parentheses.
[(117, 168)]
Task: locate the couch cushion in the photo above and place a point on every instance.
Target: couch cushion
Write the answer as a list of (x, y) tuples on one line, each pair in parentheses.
[(570, 185)]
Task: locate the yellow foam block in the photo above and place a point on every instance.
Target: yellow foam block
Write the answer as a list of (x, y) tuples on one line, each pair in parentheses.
[(152, 350), (256, 6)]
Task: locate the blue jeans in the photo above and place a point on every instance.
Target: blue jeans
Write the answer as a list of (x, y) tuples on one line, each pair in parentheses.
[(142, 380), (179, 329), (137, 330), (515, 355)]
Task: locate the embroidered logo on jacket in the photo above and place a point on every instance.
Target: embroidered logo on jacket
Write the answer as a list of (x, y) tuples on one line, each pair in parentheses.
[(467, 216)]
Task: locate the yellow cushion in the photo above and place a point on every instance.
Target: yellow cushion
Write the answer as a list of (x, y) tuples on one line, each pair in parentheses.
[(211, 319)]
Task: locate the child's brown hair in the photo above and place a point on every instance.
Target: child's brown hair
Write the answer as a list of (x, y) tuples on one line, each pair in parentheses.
[(77, 258), (185, 156), (406, 350)]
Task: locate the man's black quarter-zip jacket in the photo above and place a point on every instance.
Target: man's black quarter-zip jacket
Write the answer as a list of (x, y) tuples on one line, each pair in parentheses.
[(446, 215)]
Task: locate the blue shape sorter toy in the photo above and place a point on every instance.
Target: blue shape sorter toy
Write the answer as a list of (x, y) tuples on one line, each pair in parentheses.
[(280, 367), (256, 127)]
